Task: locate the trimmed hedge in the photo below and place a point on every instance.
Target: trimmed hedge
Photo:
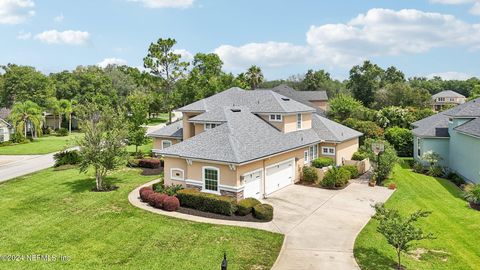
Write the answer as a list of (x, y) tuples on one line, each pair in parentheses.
[(263, 212), (322, 162), (336, 177), (245, 206), (353, 171), (310, 174), (67, 157), (207, 202), (359, 156), (62, 132), (145, 193), (151, 163), (171, 203)]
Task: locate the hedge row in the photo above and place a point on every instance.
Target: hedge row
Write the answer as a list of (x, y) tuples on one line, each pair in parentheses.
[(207, 202), (159, 200)]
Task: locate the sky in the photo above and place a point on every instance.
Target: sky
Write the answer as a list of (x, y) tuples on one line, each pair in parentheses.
[(420, 37)]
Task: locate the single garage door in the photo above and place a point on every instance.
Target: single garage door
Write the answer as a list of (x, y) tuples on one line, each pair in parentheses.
[(279, 176), (253, 185)]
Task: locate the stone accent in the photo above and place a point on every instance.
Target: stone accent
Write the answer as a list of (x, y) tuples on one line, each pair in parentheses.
[(236, 195), (199, 188)]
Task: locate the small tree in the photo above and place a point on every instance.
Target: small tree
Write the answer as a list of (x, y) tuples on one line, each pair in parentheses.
[(343, 106), (24, 114), (254, 76), (400, 231), (431, 158), (137, 116), (66, 109), (103, 146)]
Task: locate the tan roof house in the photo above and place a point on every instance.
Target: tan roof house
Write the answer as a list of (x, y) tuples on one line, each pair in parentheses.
[(447, 97), (248, 143)]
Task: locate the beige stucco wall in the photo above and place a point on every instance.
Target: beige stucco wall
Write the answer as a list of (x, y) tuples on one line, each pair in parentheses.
[(199, 128), (169, 163), (290, 122), (227, 176), (322, 104), (157, 142), (278, 125), (346, 149), (188, 128)]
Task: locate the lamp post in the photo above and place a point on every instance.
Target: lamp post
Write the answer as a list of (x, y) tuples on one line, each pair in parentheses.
[(224, 262)]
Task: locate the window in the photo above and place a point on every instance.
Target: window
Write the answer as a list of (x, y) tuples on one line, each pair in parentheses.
[(305, 157), (276, 117), (299, 121), (210, 178), (210, 125), (166, 143), (310, 154), (441, 99), (419, 150), (176, 174), (328, 151)]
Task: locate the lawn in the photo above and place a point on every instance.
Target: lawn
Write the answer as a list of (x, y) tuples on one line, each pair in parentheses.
[(456, 226), (161, 118), (146, 148), (42, 145), (55, 213)]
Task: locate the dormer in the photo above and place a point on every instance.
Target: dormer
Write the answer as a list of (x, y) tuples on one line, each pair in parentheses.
[(289, 122)]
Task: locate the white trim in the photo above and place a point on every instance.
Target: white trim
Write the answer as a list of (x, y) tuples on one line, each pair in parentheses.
[(278, 163), (193, 182), (275, 117), (175, 178), (328, 152), (294, 165), (231, 188), (218, 179), (205, 126), (305, 157), (169, 141)]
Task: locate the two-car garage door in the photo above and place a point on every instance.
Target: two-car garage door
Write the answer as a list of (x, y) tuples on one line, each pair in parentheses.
[(277, 176)]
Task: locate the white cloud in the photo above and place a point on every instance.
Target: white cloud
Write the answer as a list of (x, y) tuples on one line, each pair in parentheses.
[(69, 37), (186, 55), (15, 11), (111, 61), (378, 32), (475, 10), (24, 35), (451, 75), (165, 3), (59, 18)]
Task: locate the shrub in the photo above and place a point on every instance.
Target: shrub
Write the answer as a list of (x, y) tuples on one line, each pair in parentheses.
[(171, 203), (401, 139), (472, 194), (455, 178), (385, 161), (435, 171), (336, 177), (67, 157), (143, 189), (157, 199), (145, 193), (353, 170), (62, 132), (368, 128), (322, 162), (392, 186), (18, 138), (133, 162), (151, 163), (169, 190), (207, 202), (359, 156), (149, 198), (417, 167), (245, 206), (310, 174), (263, 212)]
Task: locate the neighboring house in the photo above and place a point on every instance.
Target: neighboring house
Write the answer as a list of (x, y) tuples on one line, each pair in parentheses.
[(447, 97), (455, 135), (315, 99), (52, 121), (6, 129), (248, 143)]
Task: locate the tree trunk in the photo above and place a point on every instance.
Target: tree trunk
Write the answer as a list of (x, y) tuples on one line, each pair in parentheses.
[(169, 115), (25, 129), (59, 121), (399, 253), (70, 123), (98, 178)]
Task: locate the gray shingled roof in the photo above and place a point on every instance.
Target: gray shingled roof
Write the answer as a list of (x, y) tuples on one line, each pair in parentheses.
[(174, 130), (259, 101), (471, 128), (329, 130), (447, 94), (4, 113), (288, 91), (432, 126), (214, 115), (468, 109)]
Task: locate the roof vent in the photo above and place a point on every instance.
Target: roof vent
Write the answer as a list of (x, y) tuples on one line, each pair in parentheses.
[(285, 99), (236, 110)]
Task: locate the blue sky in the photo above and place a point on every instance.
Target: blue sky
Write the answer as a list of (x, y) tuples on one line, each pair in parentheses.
[(421, 37)]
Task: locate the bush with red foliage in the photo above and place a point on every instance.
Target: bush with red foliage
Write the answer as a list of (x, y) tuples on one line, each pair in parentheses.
[(151, 163), (143, 189), (171, 203), (157, 199), (392, 186), (145, 193)]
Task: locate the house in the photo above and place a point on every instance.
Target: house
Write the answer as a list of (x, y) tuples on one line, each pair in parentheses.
[(455, 135), (6, 129), (248, 143), (447, 97), (314, 99)]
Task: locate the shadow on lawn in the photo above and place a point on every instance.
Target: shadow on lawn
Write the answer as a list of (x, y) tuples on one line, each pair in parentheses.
[(370, 258), (450, 187), (88, 184)]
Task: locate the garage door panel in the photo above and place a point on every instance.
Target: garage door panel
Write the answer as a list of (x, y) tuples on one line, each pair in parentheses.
[(279, 176), (252, 187)]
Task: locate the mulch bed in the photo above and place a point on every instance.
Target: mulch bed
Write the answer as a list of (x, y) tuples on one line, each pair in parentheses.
[(307, 184), (193, 212), (148, 171)]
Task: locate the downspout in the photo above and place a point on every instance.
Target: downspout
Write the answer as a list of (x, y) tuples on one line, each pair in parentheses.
[(264, 180)]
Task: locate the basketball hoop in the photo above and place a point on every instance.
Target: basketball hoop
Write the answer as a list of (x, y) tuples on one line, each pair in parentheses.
[(378, 147)]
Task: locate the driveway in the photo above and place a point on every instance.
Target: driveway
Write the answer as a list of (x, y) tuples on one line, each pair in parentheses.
[(320, 226), (175, 116), (15, 166)]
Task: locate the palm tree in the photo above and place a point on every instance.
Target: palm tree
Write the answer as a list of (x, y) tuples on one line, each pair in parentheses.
[(26, 113), (54, 108), (66, 109), (254, 76)]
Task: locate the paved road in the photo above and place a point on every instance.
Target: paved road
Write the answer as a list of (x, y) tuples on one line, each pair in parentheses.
[(15, 166), (320, 226)]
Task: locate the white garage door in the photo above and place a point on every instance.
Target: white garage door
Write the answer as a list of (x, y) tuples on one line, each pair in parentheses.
[(253, 185), (279, 176)]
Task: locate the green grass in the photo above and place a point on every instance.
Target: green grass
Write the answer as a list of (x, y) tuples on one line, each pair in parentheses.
[(55, 213), (42, 145), (456, 226), (161, 118), (146, 148)]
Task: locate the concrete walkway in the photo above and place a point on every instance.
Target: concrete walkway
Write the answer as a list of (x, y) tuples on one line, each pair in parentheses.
[(320, 226), (15, 166)]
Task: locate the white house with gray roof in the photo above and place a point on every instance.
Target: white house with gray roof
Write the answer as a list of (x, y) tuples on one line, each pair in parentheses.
[(446, 98), (6, 129), (248, 143), (455, 135)]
